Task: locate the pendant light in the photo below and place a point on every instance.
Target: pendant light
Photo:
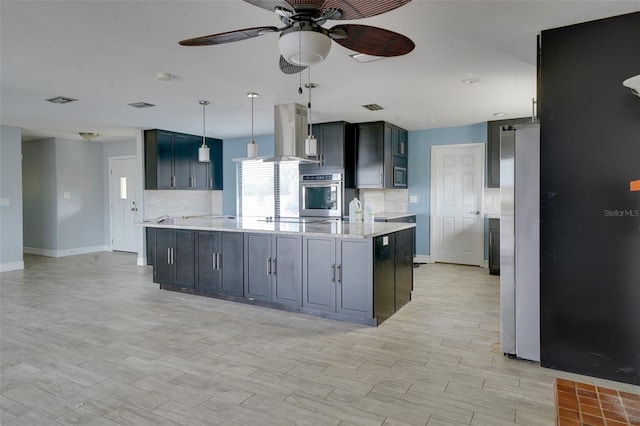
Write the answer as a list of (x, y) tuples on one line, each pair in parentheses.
[(252, 146), (311, 143), (203, 151)]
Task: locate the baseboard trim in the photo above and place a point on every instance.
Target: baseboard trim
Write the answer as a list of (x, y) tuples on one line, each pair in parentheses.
[(141, 261), (422, 258), (11, 266), (64, 253)]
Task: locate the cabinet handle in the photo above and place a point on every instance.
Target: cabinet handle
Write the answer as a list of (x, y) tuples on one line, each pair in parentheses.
[(210, 182), (269, 266), (173, 181), (274, 266), (402, 148), (214, 261), (169, 256), (190, 182), (340, 274), (490, 238), (195, 182), (218, 261)]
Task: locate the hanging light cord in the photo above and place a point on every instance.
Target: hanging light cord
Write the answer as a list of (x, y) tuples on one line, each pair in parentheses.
[(252, 117), (300, 53), (309, 105), (204, 138)]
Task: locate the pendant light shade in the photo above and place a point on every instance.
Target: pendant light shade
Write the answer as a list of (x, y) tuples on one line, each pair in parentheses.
[(304, 47), (252, 146), (204, 155)]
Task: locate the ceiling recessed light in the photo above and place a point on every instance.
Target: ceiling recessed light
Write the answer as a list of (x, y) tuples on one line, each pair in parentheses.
[(89, 136), (471, 80), (60, 100), (363, 57), (499, 114), (373, 107), (141, 105), (164, 76)]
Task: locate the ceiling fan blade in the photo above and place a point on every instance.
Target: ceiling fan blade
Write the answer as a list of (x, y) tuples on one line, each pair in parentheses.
[(272, 5), (357, 9), (371, 40), (289, 68), (229, 36)]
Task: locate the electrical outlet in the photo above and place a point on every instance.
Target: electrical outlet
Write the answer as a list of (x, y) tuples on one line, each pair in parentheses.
[(413, 199), (67, 195), (5, 202)]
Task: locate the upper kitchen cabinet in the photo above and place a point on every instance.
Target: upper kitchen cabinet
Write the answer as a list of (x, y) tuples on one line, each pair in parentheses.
[(336, 147), (382, 152), (493, 148), (171, 161)]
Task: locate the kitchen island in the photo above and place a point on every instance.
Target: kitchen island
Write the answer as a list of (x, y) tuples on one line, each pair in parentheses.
[(325, 267)]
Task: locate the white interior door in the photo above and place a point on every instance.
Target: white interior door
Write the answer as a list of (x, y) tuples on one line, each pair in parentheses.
[(457, 216), (123, 204)]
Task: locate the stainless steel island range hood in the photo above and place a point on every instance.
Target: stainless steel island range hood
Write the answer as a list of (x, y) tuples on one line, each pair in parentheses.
[(289, 132)]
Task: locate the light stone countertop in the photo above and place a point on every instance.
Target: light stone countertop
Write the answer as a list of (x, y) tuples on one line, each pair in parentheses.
[(309, 226), (392, 215)]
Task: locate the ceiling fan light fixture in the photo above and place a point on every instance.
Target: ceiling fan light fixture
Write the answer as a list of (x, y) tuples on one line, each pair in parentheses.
[(633, 83), (304, 47)]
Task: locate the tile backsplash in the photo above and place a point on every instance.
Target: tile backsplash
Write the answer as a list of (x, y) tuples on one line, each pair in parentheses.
[(182, 203), (385, 200)]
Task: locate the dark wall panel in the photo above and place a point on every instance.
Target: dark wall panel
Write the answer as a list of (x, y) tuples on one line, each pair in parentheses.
[(590, 221)]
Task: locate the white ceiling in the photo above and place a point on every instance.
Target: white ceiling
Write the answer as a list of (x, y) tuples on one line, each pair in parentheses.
[(106, 54)]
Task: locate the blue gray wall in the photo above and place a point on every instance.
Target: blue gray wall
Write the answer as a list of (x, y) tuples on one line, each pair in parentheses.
[(420, 143), (39, 192), (237, 148), (55, 224), (11, 189)]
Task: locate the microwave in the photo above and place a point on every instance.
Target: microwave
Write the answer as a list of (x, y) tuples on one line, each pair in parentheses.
[(400, 177)]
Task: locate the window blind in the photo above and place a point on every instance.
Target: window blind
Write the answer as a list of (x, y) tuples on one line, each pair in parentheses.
[(267, 189)]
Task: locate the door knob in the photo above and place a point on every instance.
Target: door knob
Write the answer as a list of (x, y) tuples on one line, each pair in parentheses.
[(475, 212)]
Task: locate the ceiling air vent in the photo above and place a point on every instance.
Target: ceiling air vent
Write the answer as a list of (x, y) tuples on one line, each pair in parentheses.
[(61, 100), (372, 107), (141, 105)]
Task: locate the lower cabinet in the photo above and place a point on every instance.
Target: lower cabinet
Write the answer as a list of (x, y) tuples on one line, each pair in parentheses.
[(337, 275), (384, 286), (174, 263), (220, 263), (273, 268), (404, 267)]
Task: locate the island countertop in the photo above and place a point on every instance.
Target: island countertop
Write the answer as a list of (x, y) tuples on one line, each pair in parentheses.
[(302, 226)]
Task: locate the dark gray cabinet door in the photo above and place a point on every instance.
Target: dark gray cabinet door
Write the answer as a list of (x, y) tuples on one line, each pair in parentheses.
[(181, 161), (370, 158), (399, 141), (258, 266), (175, 258), (403, 267), (163, 268), (164, 141), (286, 269), (214, 176), (333, 140), (209, 276), (184, 259), (319, 281), (198, 174), (231, 263), (384, 277), (353, 276)]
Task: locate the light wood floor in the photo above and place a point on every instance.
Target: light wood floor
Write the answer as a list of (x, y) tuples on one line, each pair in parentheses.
[(90, 340)]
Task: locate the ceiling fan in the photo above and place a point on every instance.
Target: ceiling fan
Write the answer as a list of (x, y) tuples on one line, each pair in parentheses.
[(304, 41)]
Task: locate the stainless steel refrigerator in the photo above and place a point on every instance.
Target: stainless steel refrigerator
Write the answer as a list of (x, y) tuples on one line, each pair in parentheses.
[(520, 241)]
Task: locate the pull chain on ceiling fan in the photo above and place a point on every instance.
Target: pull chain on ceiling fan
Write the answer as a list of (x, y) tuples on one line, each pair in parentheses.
[(304, 41)]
